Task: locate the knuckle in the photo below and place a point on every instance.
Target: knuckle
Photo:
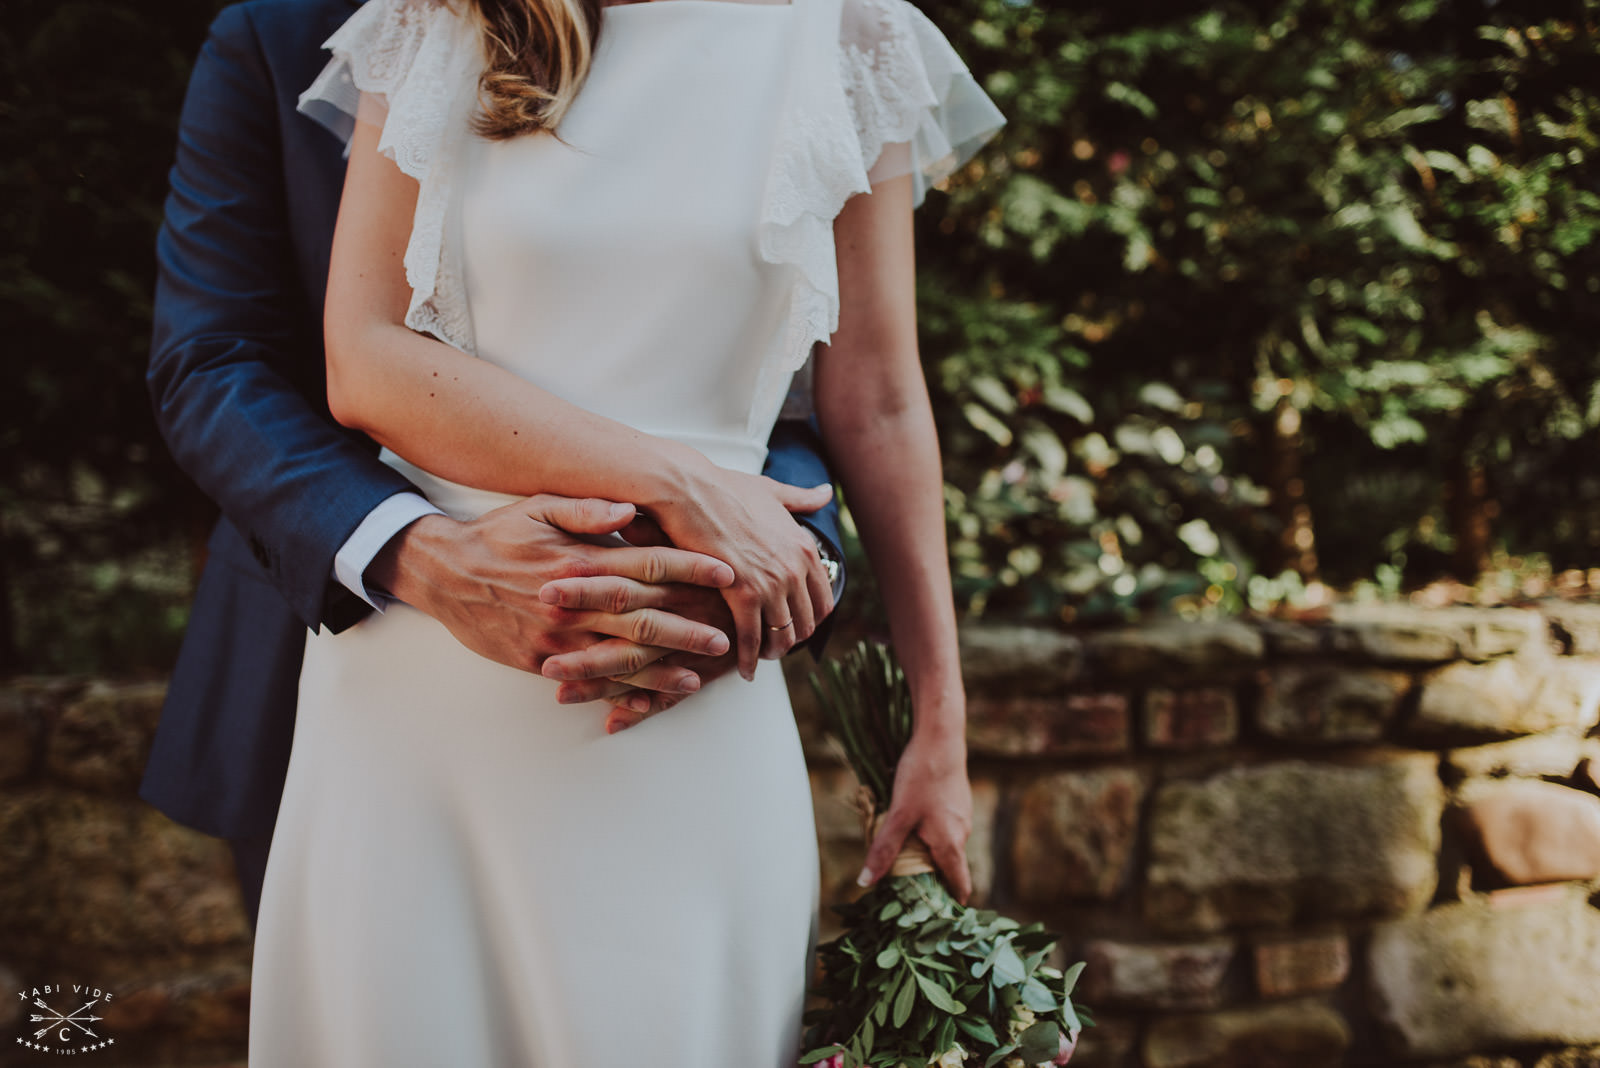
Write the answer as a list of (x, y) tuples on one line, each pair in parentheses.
[(644, 628), (655, 567)]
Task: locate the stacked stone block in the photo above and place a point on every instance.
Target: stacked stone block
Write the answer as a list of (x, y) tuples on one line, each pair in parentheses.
[(1369, 839)]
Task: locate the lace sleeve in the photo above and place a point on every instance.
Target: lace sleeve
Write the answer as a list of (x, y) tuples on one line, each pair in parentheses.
[(874, 91), (411, 65), (917, 109)]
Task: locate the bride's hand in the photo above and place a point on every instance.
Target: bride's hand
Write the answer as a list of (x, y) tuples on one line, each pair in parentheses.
[(932, 799), (780, 589)]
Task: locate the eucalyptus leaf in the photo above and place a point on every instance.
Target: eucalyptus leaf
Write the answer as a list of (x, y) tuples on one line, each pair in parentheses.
[(903, 1001), (1037, 996), (1069, 979), (1040, 1042), (979, 1030), (945, 1037), (1008, 967), (937, 995), (999, 1055)]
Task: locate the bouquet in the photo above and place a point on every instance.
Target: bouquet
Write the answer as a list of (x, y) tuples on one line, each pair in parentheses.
[(917, 978)]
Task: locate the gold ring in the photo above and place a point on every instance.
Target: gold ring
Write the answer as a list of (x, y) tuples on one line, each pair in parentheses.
[(783, 626)]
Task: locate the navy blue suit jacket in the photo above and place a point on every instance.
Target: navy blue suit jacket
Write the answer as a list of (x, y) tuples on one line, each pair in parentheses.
[(237, 379)]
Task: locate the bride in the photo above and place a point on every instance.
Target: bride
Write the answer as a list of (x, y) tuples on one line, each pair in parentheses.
[(584, 249)]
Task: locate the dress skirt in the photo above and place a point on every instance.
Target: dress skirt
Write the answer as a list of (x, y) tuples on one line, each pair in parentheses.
[(467, 873)]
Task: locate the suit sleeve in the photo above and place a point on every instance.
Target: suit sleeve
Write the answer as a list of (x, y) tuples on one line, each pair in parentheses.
[(795, 456), (235, 373)]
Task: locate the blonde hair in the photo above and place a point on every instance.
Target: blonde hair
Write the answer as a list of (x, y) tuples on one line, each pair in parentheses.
[(537, 54)]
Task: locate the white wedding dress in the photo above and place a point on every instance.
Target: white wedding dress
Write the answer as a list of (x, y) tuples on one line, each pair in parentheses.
[(465, 873)]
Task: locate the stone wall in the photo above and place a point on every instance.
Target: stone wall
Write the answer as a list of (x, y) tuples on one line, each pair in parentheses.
[(98, 888), (1370, 840)]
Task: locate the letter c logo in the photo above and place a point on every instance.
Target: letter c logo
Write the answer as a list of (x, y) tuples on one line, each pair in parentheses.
[(66, 1035)]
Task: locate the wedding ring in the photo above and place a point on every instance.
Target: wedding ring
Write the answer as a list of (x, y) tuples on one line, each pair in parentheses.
[(783, 626)]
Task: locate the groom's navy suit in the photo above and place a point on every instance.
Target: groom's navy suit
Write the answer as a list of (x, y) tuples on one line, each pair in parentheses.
[(236, 377)]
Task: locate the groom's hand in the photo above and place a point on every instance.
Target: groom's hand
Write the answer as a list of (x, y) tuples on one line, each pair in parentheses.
[(636, 695), (481, 578)]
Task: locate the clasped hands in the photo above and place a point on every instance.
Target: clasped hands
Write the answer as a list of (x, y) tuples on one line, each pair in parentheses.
[(542, 585)]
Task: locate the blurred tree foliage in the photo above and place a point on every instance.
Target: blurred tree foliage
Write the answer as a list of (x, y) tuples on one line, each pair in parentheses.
[(1246, 289), (95, 522), (1303, 286)]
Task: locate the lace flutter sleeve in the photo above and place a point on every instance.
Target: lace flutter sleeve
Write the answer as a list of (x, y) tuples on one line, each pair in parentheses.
[(410, 66), (874, 92), (916, 107)]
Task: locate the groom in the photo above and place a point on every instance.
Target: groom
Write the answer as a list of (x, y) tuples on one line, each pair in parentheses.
[(315, 532)]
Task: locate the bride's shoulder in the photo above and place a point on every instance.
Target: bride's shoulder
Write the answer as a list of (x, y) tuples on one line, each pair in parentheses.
[(875, 24), (401, 19), (383, 41), (864, 23)]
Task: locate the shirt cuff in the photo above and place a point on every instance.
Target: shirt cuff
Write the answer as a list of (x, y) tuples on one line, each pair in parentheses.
[(829, 554), (391, 516)]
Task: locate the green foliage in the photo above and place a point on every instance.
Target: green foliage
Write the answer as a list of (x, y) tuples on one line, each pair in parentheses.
[(915, 975), (867, 706), (1378, 217)]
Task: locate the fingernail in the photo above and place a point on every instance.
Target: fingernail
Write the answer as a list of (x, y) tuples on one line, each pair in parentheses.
[(550, 595), (620, 511), (865, 878), (718, 645), (640, 704), (689, 684)]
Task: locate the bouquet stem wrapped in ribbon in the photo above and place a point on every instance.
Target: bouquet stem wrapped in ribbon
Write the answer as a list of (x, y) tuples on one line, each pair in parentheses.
[(918, 978)]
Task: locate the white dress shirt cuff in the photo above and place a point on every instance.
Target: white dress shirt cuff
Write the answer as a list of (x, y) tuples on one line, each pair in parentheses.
[(392, 516)]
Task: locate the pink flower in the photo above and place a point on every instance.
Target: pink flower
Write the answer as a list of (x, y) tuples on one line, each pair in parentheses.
[(1068, 1044), (835, 1061)]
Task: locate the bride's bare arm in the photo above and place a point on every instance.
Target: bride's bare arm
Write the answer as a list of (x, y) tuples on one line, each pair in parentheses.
[(878, 425), (472, 422)]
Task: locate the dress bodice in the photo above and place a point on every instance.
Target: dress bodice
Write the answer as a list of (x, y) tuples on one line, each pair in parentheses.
[(666, 257), (617, 263)]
